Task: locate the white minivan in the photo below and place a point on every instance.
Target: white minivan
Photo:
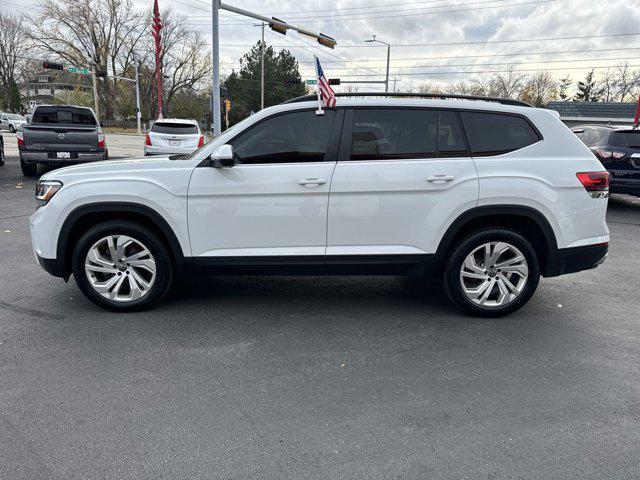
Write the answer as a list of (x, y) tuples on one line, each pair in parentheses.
[(486, 194), (171, 136)]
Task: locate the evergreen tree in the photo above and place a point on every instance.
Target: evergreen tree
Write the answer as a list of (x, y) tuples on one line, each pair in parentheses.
[(13, 99), (243, 86), (588, 90), (563, 86)]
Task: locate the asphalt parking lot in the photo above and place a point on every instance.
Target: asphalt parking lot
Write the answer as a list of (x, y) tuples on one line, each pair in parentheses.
[(279, 377)]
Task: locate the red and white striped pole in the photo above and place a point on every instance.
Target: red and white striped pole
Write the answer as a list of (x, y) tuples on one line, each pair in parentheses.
[(157, 27), (637, 119)]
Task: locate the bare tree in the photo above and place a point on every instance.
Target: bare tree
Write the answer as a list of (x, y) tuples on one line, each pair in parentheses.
[(626, 82), (509, 84), (429, 87), (13, 49), (539, 89), (103, 33)]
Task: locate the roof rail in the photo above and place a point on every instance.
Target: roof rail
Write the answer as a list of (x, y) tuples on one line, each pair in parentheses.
[(442, 96)]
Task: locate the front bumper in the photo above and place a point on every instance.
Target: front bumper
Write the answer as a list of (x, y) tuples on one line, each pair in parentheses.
[(53, 267)]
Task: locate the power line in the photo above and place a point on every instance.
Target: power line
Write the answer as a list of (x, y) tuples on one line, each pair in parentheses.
[(536, 2), (483, 42), (494, 71)]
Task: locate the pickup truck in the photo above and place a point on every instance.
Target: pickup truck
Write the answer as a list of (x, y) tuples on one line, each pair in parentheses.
[(60, 135)]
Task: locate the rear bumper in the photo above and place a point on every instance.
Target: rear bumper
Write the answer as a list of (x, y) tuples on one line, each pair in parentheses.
[(153, 150), (576, 259), (77, 157)]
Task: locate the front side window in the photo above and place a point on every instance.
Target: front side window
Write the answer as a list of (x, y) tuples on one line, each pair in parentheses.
[(497, 133), (288, 138)]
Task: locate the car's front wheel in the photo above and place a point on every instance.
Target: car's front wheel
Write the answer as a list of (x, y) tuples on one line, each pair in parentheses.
[(122, 266), (492, 272)]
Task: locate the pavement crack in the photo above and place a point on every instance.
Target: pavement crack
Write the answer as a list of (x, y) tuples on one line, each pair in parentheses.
[(30, 312)]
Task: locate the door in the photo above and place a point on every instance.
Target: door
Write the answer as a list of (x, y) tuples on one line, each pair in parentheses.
[(272, 205), (403, 175)]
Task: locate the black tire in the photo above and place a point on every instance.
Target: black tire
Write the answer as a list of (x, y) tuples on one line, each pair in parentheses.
[(11, 129), (1, 153), (161, 255), (458, 254), (28, 169)]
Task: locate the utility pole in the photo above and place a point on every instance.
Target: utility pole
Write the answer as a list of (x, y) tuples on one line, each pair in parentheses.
[(262, 69), (386, 85), (274, 23), (138, 112), (95, 92), (216, 128)]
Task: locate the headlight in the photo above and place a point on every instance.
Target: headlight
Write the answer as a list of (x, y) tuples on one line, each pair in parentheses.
[(45, 190)]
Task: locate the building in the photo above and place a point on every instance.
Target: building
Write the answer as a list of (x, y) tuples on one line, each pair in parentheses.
[(595, 113), (44, 88)]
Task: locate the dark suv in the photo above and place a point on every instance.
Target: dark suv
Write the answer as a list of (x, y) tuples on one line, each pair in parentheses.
[(619, 151)]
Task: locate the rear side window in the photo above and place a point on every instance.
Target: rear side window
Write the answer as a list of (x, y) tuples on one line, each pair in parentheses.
[(64, 115), (387, 134), (174, 128), (496, 133), (595, 136), (625, 139)]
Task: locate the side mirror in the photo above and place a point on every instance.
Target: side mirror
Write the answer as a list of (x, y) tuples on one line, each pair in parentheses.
[(223, 157)]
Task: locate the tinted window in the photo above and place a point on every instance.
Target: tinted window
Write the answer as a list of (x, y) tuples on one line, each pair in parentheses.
[(174, 128), (386, 133), (380, 134), (625, 139), (495, 133), (64, 115), (292, 137)]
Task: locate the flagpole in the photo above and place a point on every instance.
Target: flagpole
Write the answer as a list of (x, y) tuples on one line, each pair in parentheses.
[(319, 111), (637, 118), (157, 27)]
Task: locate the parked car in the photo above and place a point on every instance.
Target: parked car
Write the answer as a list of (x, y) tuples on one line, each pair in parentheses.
[(171, 136), (11, 121), (60, 135), (1, 151), (619, 151), (486, 195)]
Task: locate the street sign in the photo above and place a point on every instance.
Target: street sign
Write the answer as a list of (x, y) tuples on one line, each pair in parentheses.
[(81, 71), (311, 82)]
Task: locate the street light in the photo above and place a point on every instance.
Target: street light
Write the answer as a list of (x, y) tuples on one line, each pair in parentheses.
[(386, 82)]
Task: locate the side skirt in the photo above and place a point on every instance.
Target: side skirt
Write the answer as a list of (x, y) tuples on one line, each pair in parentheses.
[(414, 265)]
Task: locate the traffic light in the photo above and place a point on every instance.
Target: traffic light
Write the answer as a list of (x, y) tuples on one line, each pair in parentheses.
[(334, 81), (327, 41), (278, 28), (227, 105), (52, 66)]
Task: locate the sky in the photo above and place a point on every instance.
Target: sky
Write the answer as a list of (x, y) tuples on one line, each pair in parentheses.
[(434, 41)]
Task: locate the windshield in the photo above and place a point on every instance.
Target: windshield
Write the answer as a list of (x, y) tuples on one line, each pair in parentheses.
[(14, 116), (64, 115)]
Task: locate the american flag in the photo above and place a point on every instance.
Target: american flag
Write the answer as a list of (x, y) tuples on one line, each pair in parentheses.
[(326, 92), (157, 37)]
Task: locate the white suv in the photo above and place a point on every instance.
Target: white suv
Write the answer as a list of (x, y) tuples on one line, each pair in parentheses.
[(487, 195)]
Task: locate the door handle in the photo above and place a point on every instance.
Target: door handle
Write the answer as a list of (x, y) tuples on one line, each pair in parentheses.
[(312, 182), (440, 178)]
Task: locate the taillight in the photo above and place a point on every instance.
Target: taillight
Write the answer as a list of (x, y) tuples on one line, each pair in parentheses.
[(20, 137), (603, 153), (596, 183), (101, 140), (201, 141), (147, 140), (618, 155)]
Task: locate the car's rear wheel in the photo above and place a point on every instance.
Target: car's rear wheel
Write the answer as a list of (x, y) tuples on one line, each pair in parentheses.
[(11, 129), (28, 169), (122, 266), (492, 272)]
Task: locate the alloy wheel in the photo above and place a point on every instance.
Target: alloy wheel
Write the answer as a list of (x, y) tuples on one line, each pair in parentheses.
[(494, 274), (120, 268)]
